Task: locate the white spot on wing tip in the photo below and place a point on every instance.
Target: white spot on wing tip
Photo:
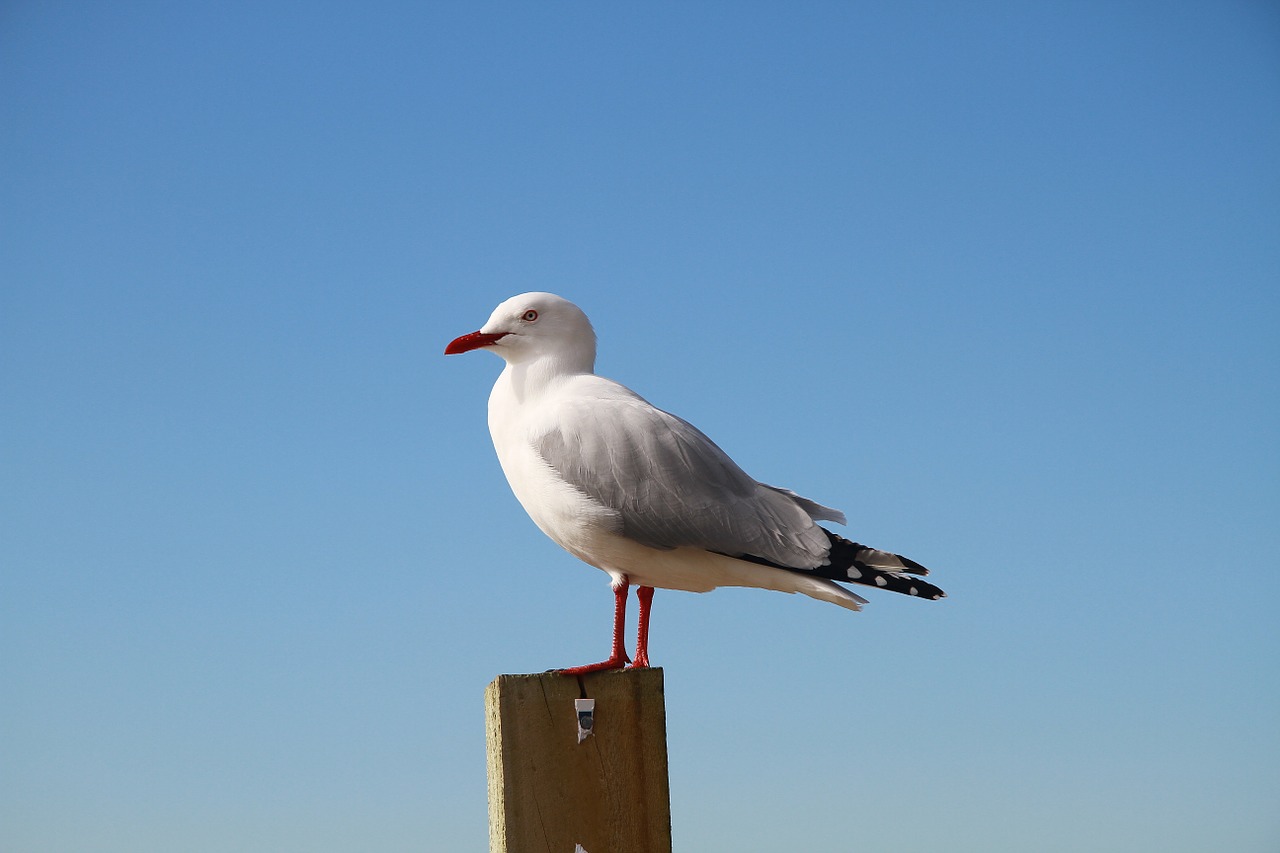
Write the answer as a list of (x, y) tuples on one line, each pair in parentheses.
[(914, 591), (881, 582), (854, 574)]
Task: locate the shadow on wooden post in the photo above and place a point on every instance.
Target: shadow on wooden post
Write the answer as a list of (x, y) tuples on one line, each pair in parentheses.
[(551, 794)]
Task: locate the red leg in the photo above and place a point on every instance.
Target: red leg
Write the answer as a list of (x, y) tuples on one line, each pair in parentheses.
[(618, 657), (645, 596)]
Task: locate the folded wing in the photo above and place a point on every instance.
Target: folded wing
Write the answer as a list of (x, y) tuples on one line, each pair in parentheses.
[(671, 486)]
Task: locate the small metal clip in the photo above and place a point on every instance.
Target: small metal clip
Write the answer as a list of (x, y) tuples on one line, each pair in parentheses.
[(586, 709)]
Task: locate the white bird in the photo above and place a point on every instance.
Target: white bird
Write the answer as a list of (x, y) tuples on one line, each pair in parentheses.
[(643, 495)]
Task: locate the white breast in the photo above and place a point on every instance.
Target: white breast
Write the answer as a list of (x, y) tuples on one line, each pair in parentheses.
[(573, 520)]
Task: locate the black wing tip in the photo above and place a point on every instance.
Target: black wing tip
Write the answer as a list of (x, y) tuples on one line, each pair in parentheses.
[(912, 566), (843, 565), (847, 564), (847, 552), (900, 583)]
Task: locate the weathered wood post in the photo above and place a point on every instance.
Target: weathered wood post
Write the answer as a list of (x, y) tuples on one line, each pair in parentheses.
[(553, 789)]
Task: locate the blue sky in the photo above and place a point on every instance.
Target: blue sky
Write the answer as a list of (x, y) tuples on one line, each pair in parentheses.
[(997, 279)]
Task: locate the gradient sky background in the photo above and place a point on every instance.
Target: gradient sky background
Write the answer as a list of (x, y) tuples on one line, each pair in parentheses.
[(1001, 280)]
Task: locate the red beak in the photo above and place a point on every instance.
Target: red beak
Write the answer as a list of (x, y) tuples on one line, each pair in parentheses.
[(475, 340)]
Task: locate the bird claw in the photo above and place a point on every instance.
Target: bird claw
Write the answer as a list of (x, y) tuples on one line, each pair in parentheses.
[(604, 666)]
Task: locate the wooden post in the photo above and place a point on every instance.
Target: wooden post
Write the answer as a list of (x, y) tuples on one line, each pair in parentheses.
[(550, 793)]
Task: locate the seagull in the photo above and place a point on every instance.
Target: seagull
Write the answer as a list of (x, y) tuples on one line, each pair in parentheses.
[(644, 495)]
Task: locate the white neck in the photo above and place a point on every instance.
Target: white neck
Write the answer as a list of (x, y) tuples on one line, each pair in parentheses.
[(527, 381)]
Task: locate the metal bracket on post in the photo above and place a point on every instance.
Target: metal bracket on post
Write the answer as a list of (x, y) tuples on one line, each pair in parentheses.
[(586, 709)]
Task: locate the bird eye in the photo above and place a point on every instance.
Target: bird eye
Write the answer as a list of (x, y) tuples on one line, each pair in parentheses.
[(529, 316)]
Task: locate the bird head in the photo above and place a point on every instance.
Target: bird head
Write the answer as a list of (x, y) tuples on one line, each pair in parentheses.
[(535, 326)]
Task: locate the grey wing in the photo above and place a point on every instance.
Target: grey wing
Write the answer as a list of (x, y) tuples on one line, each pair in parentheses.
[(671, 486)]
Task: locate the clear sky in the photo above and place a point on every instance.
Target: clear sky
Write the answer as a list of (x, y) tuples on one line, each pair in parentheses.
[(1000, 280)]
